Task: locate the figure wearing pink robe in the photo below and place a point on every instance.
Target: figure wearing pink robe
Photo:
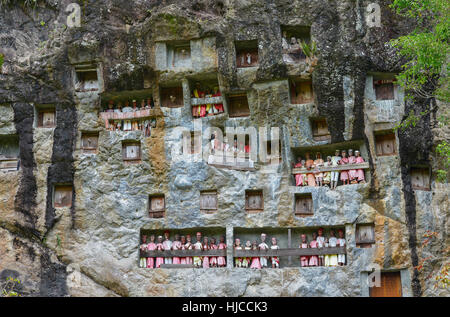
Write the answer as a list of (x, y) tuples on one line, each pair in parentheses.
[(298, 177), (218, 106), (256, 264), (221, 260), (151, 261), (313, 260), (183, 259), (304, 260), (205, 258), (176, 246), (344, 174), (213, 259), (159, 260), (352, 173), (360, 172), (311, 178)]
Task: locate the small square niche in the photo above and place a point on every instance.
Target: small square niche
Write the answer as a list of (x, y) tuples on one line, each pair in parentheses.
[(320, 129), (365, 235), (172, 97), (254, 201), (301, 91), (62, 196), (246, 53), (89, 142), (131, 151), (46, 116), (208, 201), (420, 178), (9, 152), (238, 105), (303, 205), (157, 206), (384, 87), (385, 144), (179, 54), (86, 78)]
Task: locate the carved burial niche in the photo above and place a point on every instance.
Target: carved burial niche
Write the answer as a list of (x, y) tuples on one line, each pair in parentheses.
[(385, 144), (246, 53), (390, 285), (208, 201), (86, 77), (420, 178), (238, 106), (89, 142), (9, 152), (179, 54), (301, 91), (46, 116), (365, 235), (172, 97), (384, 88), (254, 201), (320, 129), (131, 151), (62, 196), (292, 37), (303, 205), (156, 206)]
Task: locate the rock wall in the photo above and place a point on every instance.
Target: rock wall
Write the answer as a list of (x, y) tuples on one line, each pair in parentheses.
[(91, 248)]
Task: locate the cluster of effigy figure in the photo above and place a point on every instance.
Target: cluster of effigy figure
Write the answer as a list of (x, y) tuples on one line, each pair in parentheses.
[(320, 241), (199, 111), (144, 124), (319, 178), (256, 262), (182, 243)]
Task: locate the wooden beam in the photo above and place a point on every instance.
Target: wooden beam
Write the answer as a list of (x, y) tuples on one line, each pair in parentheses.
[(289, 252), (177, 266), (345, 167), (290, 244), (182, 253)]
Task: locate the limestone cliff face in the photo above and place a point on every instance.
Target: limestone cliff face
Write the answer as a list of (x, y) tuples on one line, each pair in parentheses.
[(91, 248)]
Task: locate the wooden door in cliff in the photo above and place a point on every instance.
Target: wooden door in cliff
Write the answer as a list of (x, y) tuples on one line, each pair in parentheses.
[(391, 286)]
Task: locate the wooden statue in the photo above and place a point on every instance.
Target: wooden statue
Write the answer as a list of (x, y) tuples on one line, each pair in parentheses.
[(205, 247), (321, 244), (314, 259), (263, 246), (274, 259), (304, 260), (237, 246), (298, 177), (309, 164), (183, 247), (341, 243), (198, 246), (256, 264), (332, 243), (344, 174), (246, 261), (176, 246), (327, 175), (167, 246), (213, 259), (159, 247), (143, 248), (352, 172), (151, 246), (317, 163), (335, 161), (221, 260), (189, 246), (359, 172)]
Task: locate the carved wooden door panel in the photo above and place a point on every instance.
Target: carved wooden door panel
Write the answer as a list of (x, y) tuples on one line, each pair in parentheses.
[(239, 106), (208, 201), (365, 234), (303, 205), (157, 204), (391, 286)]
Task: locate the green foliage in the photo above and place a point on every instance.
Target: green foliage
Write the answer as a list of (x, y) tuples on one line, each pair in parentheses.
[(443, 150), (426, 47), (2, 59), (25, 3), (309, 50), (411, 120), (9, 289)]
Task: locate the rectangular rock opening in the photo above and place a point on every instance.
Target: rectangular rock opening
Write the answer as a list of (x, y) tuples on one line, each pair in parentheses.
[(365, 235), (45, 116), (89, 142), (301, 91), (206, 98), (325, 165), (183, 248), (420, 178), (86, 77), (291, 40), (384, 86), (156, 206), (131, 152), (208, 201), (303, 205), (385, 143), (9, 152), (238, 106), (390, 285), (179, 54), (246, 53), (320, 130), (290, 250), (62, 196), (254, 201), (172, 96)]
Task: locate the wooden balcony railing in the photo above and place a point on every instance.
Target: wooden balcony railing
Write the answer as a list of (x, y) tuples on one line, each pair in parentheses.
[(289, 252), (338, 168), (206, 101)]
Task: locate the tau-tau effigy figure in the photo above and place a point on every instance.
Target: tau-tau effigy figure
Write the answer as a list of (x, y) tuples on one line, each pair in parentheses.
[(341, 243), (299, 177), (198, 246), (314, 259), (309, 164), (335, 161), (352, 172), (221, 260), (176, 246), (318, 175), (142, 260), (151, 246), (256, 264), (344, 174), (205, 247), (304, 260), (332, 243), (189, 246), (159, 247), (213, 259), (274, 259), (321, 244), (246, 261), (167, 246), (183, 247), (327, 175), (263, 246), (359, 172), (237, 246)]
